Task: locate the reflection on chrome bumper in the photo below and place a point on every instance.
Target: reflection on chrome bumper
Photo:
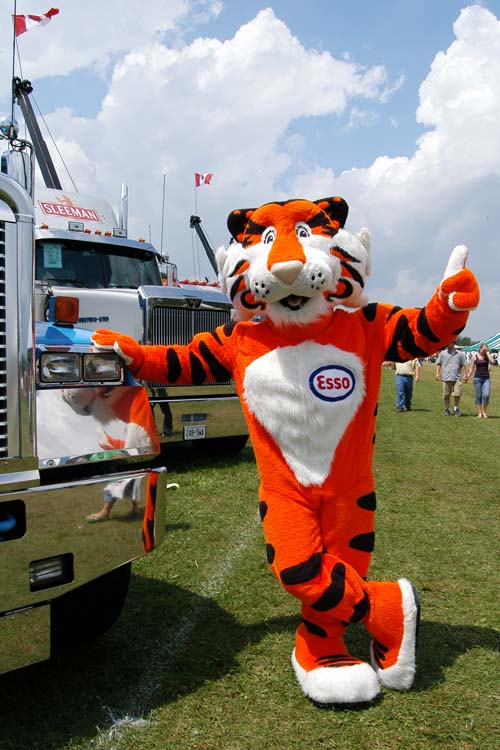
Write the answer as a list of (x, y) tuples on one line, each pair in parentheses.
[(59, 522), (91, 424)]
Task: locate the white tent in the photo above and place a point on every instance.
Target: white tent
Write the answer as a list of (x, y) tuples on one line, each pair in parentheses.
[(493, 343)]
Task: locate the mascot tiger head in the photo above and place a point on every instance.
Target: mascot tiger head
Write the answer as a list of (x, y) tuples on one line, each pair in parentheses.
[(292, 261)]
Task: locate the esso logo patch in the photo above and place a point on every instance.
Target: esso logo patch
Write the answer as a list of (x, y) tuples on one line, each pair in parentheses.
[(332, 382)]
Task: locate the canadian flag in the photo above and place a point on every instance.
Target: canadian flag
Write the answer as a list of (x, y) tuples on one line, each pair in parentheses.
[(25, 23), (202, 179)]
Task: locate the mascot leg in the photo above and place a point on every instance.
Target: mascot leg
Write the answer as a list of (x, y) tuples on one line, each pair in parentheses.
[(331, 592), (393, 621), (393, 613)]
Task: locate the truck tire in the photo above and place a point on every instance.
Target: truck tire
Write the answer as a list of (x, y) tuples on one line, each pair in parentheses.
[(88, 611), (224, 447)]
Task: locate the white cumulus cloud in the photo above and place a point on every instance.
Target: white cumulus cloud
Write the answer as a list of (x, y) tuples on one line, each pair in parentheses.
[(226, 106)]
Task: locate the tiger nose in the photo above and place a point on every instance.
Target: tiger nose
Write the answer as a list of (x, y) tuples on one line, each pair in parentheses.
[(287, 271)]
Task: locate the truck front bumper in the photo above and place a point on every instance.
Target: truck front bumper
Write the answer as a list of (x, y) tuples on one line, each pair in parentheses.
[(55, 547)]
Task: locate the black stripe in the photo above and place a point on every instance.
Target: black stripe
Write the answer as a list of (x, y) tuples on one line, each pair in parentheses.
[(348, 290), (235, 287), (262, 510), (315, 629), (403, 335), (363, 542), (370, 311), (238, 266), (424, 328), (345, 254), (174, 367), (392, 312), (368, 502), (360, 609), (250, 305), (216, 336), (216, 368), (337, 660), (198, 374), (335, 591), (319, 220), (354, 273), (228, 327), (302, 572)]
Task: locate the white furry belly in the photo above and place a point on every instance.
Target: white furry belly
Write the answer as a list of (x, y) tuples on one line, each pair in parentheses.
[(305, 396)]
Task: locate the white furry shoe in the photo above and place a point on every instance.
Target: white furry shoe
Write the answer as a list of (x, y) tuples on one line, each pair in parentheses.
[(338, 685), (328, 674), (393, 622)]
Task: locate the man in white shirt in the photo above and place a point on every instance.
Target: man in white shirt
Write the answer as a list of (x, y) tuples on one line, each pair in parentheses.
[(405, 372)]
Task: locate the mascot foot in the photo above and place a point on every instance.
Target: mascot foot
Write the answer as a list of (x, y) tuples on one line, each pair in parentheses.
[(328, 674), (393, 622)]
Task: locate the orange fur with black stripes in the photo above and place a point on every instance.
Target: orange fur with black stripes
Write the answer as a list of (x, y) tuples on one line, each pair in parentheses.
[(308, 377)]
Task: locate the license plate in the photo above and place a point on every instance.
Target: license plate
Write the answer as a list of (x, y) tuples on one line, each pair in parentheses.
[(194, 432)]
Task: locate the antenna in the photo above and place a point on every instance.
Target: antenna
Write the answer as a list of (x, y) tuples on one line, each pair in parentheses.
[(162, 214)]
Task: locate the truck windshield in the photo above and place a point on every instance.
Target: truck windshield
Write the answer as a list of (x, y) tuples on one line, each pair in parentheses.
[(82, 264)]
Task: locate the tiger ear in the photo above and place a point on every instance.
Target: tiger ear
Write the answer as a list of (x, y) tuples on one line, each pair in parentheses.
[(237, 221), (336, 208)]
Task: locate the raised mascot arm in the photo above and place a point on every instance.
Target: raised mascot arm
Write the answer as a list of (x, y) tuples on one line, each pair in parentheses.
[(419, 332)]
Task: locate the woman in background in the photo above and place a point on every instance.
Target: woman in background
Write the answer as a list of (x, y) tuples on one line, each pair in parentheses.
[(480, 370)]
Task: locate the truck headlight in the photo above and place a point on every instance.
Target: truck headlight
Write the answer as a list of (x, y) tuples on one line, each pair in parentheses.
[(60, 367), (75, 367), (104, 366)]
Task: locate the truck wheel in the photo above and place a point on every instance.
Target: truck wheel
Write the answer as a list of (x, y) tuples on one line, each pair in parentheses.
[(228, 446), (88, 611)]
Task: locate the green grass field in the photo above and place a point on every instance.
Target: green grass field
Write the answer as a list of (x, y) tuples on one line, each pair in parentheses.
[(200, 657)]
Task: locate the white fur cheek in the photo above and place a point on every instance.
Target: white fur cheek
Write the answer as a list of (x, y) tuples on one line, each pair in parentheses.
[(317, 242)]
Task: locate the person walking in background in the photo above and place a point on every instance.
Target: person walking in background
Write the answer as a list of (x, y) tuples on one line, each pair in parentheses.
[(480, 371), (451, 370), (405, 373)]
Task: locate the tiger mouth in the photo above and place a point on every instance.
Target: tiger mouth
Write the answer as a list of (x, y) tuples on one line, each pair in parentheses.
[(294, 302)]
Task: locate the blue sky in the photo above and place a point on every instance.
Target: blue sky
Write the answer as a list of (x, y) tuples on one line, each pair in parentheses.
[(392, 104)]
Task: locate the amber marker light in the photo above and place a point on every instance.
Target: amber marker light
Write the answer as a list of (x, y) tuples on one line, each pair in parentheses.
[(66, 310)]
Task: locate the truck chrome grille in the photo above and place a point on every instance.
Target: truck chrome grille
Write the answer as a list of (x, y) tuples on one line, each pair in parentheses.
[(178, 325), (3, 349)]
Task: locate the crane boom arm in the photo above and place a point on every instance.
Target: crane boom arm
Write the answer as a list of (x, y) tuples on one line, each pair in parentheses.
[(195, 223), (21, 91)]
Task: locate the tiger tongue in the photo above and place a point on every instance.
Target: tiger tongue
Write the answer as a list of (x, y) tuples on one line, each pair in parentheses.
[(295, 301)]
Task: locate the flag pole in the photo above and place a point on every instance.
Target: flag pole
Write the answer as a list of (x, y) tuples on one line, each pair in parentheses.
[(197, 256), (13, 60)]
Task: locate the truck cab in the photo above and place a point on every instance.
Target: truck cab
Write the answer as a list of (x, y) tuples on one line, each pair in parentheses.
[(82, 250)]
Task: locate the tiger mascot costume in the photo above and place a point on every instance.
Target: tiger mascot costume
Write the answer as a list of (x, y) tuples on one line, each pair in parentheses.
[(308, 374)]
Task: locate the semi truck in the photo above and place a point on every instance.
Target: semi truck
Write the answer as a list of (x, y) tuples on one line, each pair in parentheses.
[(76, 434), (82, 249)]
